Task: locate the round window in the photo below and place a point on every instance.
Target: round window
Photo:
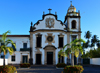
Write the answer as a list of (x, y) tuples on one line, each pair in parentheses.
[(50, 38)]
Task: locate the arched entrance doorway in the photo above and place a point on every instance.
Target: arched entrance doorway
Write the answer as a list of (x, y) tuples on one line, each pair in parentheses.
[(49, 58), (49, 55)]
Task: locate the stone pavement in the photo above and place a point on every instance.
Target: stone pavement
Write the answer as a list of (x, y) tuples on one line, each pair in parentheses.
[(40, 69), (52, 69)]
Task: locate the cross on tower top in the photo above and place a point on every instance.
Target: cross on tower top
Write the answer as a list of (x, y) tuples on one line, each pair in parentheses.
[(71, 3), (49, 10)]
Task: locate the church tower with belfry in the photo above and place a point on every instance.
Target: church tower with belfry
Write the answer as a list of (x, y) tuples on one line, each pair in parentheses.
[(72, 19), (72, 22)]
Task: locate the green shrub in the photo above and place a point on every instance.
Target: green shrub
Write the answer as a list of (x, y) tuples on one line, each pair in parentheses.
[(85, 55), (60, 65), (25, 65), (95, 53), (73, 69), (7, 69)]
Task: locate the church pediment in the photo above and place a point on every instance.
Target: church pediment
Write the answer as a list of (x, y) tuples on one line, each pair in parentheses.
[(49, 21)]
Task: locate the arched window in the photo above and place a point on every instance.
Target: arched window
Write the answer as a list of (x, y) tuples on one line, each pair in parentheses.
[(73, 24)]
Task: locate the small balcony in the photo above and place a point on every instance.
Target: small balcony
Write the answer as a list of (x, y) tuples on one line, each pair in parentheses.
[(24, 49)]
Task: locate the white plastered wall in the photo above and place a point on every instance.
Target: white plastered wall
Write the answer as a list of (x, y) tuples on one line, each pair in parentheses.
[(19, 44), (42, 24), (45, 44), (77, 24)]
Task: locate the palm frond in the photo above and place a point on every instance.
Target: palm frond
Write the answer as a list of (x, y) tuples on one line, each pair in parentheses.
[(66, 45), (81, 50), (11, 42), (87, 34), (61, 53), (3, 48), (68, 51), (6, 51), (76, 53), (1, 41), (81, 40), (10, 49), (5, 35)]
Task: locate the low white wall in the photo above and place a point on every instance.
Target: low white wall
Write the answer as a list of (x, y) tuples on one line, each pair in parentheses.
[(1, 62), (95, 61)]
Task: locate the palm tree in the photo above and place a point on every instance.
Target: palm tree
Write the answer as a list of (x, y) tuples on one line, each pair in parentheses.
[(74, 50), (4, 48), (94, 40), (98, 43), (85, 45), (87, 36)]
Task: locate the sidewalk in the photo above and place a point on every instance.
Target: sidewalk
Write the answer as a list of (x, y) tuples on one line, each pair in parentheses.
[(52, 69)]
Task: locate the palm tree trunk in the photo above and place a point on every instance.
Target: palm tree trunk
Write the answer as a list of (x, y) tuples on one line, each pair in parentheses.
[(4, 60), (72, 60), (60, 59)]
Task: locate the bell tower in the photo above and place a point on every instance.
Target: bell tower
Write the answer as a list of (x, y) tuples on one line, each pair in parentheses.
[(72, 19)]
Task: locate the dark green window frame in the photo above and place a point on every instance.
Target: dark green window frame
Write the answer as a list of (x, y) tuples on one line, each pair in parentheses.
[(12, 58), (24, 45)]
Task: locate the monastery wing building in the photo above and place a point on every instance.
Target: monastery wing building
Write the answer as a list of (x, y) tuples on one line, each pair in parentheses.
[(47, 37)]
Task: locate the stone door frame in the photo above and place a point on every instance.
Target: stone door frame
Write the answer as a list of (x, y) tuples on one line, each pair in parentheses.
[(49, 49), (22, 58), (38, 52)]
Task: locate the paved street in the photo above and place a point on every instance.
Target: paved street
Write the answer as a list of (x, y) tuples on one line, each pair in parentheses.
[(52, 69), (91, 69), (40, 69)]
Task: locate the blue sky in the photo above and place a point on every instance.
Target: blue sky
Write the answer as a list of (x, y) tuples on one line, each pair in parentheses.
[(16, 15)]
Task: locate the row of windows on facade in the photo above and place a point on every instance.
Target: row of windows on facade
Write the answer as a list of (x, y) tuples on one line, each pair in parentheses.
[(38, 43), (39, 40), (13, 58), (24, 46)]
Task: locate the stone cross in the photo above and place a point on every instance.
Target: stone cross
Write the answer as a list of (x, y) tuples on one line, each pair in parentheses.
[(71, 3), (49, 10)]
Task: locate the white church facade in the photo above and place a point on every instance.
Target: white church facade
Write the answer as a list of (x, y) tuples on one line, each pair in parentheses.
[(47, 37)]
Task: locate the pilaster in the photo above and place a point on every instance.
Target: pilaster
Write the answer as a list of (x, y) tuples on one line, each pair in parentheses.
[(31, 48), (79, 58), (68, 23), (79, 25), (68, 41)]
